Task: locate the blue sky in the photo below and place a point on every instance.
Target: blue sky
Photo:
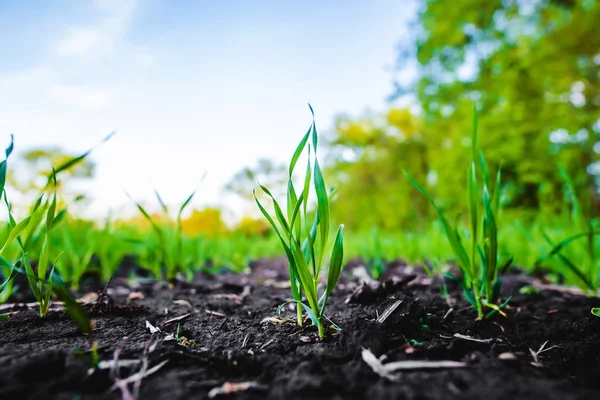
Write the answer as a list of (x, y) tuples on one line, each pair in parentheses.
[(190, 87)]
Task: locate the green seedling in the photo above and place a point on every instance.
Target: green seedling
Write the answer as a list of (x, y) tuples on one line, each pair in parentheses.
[(38, 280), (39, 287), (479, 263), (596, 311), (304, 241), (41, 291), (91, 357), (77, 258), (7, 288), (585, 239), (182, 340), (110, 249), (169, 237), (59, 289), (32, 233), (3, 286), (376, 261)]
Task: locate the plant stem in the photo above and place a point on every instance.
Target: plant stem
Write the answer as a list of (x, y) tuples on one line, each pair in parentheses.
[(477, 295), (299, 313), (321, 328)]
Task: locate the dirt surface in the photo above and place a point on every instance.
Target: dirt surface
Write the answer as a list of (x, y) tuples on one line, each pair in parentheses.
[(278, 360)]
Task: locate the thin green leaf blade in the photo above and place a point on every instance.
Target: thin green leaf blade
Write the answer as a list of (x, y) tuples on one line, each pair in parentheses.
[(454, 240), (3, 164), (298, 152), (335, 266), (323, 207)]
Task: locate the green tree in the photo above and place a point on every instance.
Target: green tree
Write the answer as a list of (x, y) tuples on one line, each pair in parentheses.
[(266, 171), (366, 159), (32, 168), (533, 67)]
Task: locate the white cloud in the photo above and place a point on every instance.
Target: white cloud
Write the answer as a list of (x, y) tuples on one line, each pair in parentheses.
[(79, 41), (82, 97), (102, 36), (116, 7), (145, 58)]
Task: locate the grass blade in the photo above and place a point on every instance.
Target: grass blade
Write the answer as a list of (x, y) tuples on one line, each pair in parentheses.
[(14, 232), (292, 210), (163, 205), (3, 164), (453, 238), (73, 308), (490, 243), (473, 206), (313, 129), (496, 193), (335, 266), (295, 217), (278, 211), (323, 208), (296, 292), (75, 160), (557, 248), (576, 213), (12, 275), (569, 264), (298, 152)]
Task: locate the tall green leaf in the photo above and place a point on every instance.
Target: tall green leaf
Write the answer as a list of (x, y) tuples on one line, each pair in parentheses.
[(335, 265)]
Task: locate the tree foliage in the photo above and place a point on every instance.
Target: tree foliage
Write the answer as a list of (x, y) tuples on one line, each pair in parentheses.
[(366, 160), (533, 68), (266, 171), (34, 166)]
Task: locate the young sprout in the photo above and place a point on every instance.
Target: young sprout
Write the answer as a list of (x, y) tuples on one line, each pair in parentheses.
[(39, 284), (587, 229), (5, 286), (78, 256), (41, 289), (110, 249), (169, 237), (478, 263), (305, 241)]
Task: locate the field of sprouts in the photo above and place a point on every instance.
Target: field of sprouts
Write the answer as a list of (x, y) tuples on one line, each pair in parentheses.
[(481, 308)]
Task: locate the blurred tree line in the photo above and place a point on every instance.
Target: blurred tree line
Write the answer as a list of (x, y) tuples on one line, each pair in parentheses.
[(533, 69), (32, 168)]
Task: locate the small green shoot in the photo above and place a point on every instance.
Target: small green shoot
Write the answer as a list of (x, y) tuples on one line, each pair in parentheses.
[(41, 287), (479, 263), (182, 340), (110, 249), (90, 357), (169, 237), (587, 230), (77, 257), (305, 241)]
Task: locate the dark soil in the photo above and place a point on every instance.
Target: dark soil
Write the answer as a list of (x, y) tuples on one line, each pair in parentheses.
[(38, 358)]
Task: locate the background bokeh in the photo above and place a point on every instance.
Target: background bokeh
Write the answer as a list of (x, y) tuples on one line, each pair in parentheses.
[(212, 96)]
